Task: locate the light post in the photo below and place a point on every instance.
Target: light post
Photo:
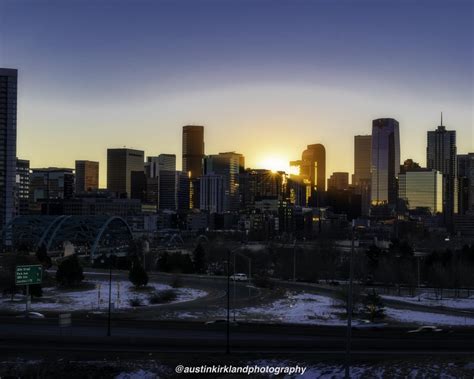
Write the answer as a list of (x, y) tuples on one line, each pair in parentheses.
[(110, 297), (349, 307), (227, 351), (294, 260), (109, 313), (235, 252)]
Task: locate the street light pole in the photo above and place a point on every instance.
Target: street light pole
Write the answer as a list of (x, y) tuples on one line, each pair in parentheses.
[(349, 309), (294, 260), (227, 351), (233, 299), (110, 297)]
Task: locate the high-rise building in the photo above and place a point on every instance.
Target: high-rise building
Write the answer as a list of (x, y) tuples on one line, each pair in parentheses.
[(313, 169), (193, 150), (193, 155), (22, 187), (422, 188), (163, 162), (120, 164), (138, 185), (338, 181), (441, 156), (361, 179), (48, 184), (385, 158), (260, 184), (8, 114), (182, 191), (212, 194), (362, 160), (87, 176), (466, 183), (226, 165)]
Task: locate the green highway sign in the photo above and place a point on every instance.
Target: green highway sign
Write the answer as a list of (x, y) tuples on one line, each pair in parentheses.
[(28, 274)]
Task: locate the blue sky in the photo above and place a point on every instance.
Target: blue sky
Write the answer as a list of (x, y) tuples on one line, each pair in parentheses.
[(266, 78)]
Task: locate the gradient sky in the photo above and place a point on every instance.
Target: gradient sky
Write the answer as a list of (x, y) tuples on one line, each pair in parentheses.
[(266, 78)]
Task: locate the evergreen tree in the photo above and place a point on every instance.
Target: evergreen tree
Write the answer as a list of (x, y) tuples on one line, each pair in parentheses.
[(43, 257), (70, 272), (373, 306), (199, 259), (137, 274)]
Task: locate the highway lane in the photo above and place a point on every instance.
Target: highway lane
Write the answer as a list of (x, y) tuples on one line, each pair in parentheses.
[(45, 335)]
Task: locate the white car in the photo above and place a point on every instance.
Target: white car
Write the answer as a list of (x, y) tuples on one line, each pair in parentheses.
[(239, 277), (426, 329), (31, 315)]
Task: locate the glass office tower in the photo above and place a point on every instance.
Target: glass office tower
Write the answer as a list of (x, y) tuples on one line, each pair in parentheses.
[(385, 165)]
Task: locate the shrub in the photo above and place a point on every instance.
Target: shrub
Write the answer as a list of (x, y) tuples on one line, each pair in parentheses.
[(176, 282), (135, 302), (262, 281), (36, 290), (69, 272), (162, 297), (137, 274), (373, 306)]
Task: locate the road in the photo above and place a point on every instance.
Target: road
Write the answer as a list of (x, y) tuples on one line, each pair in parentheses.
[(153, 336)]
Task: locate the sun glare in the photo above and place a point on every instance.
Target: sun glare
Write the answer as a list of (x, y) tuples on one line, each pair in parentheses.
[(274, 163)]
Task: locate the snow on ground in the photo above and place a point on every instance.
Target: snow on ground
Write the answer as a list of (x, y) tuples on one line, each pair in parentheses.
[(139, 374), (426, 318), (301, 308), (97, 298), (305, 308), (392, 369), (430, 300)]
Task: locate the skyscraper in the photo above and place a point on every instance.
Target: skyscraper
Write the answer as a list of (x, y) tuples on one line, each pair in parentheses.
[(120, 164), (441, 156), (362, 160), (87, 176), (385, 161), (193, 150), (227, 167), (362, 163), (163, 162), (338, 181), (8, 110), (466, 183), (313, 168), (48, 184), (422, 188), (22, 187)]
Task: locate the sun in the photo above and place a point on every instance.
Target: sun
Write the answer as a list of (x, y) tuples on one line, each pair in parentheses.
[(275, 163)]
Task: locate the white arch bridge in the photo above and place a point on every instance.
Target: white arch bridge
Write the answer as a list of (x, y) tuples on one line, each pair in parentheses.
[(91, 235)]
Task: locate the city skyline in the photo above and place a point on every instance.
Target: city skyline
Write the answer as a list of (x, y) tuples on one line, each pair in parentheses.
[(282, 82)]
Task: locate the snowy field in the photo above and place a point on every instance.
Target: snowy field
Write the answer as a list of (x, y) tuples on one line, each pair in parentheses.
[(96, 298), (152, 369), (426, 318), (430, 300), (306, 308), (302, 308)]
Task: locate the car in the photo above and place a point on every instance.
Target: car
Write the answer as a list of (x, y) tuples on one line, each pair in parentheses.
[(221, 321), (31, 315), (426, 329), (367, 324), (239, 277)]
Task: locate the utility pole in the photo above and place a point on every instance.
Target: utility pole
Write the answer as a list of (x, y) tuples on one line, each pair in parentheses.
[(349, 308), (294, 260), (233, 300), (227, 351), (110, 297)]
